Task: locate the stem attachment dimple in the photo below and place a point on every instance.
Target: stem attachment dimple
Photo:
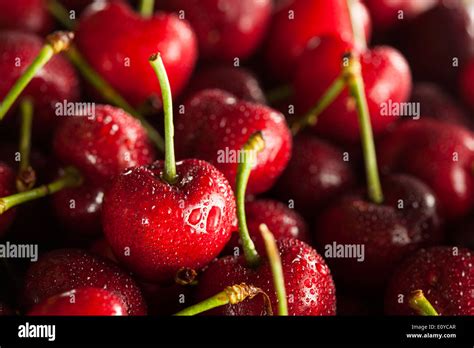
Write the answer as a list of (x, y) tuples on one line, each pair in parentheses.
[(26, 177), (421, 305)]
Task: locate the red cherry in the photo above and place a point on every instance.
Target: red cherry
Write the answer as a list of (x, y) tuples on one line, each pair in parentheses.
[(117, 43), (386, 76), (406, 221), (281, 220), (104, 145), (7, 187), (25, 15), (315, 174), (66, 269), (215, 127), (438, 153), (156, 228), (444, 274), (309, 286), (81, 302), (56, 82), (167, 300), (226, 29), (466, 83)]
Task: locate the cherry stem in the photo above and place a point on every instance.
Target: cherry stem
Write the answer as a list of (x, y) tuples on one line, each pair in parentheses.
[(170, 162), (60, 13), (146, 8), (311, 117), (279, 93), (352, 72), (112, 96), (55, 43), (420, 303), (26, 177), (70, 178), (252, 147), (358, 31), (277, 269), (231, 295)]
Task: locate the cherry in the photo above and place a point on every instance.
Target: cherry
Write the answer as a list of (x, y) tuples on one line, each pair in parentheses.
[(81, 302), (386, 77), (216, 125), (237, 81), (466, 85), (281, 220), (444, 274), (425, 147), (63, 270), (406, 221), (167, 300), (7, 187), (315, 174), (55, 82), (117, 43), (226, 29), (25, 15), (295, 27)]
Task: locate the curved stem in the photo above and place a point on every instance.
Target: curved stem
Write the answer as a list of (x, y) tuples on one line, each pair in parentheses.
[(26, 177), (70, 178), (110, 95), (249, 152), (231, 295), (277, 269), (420, 303), (357, 26), (55, 43), (279, 93), (355, 82), (311, 117), (170, 162), (59, 12), (146, 8)]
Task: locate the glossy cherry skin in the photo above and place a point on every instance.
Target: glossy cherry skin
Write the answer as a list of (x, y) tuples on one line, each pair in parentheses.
[(466, 84), (444, 274), (81, 302), (309, 285), (7, 187), (239, 82), (386, 77), (216, 125), (438, 153), (156, 228), (315, 174), (282, 221), (63, 270), (118, 42), (25, 15), (404, 222), (291, 33), (57, 81), (101, 147), (226, 29)]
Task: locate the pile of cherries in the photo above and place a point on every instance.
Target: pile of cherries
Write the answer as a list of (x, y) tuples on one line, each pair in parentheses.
[(276, 150)]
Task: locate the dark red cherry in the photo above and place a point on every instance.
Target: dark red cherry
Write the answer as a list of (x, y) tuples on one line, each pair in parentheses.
[(7, 187), (167, 300), (156, 228), (226, 29), (387, 232), (466, 84), (81, 302), (100, 147), (316, 173), (387, 80), (444, 274), (215, 126), (309, 285), (117, 42), (25, 15), (438, 153), (67, 269)]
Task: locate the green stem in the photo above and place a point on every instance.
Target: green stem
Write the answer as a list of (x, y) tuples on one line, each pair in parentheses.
[(55, 43), (279, 93), (231, 295), (358, 31), (26, 176), (146, 8), (60, 13), (170, 163), (420, 303), (249, 152), (277, 270), (355, 82), (111, 96), (70, 178), (311, 117)]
